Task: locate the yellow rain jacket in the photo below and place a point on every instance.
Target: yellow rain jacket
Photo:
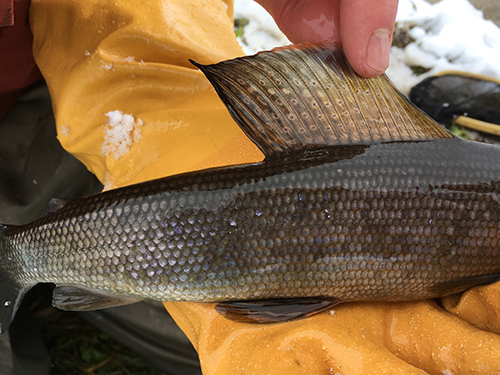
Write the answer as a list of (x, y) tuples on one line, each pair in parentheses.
[(131, 107)]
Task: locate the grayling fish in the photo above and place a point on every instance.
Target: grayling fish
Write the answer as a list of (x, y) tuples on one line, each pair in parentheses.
[(361, 197)]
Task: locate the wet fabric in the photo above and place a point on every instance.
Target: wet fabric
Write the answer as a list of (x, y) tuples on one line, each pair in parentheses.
[(138, 64)]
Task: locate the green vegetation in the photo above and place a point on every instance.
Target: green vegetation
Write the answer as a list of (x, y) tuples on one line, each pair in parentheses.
[(459, 131), (401, 37), (239, 26), (76, 347), (418, 70)]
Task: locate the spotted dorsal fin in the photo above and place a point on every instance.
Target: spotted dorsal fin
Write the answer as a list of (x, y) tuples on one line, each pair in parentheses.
[(307, 96)]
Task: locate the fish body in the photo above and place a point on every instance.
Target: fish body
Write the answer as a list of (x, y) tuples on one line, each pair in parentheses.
[(353, 216)]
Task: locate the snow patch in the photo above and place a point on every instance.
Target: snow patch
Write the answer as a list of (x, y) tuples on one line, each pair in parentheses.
[(261, 33), (65, 130), (448, 35), (121, 131), (108, 181)]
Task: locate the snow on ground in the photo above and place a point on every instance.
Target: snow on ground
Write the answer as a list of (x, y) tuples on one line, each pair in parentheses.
[(122, 130), (261, 32), (448, 35)]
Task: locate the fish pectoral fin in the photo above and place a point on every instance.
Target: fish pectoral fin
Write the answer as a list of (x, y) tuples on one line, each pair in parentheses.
[(459, 285), (273, 311), (308, 96), (78, 298), (54, 205)]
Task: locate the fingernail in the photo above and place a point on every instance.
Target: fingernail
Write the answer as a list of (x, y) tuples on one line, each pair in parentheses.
[(377, 53)]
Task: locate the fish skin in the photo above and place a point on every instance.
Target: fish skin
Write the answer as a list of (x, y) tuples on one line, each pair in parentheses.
[(391, 221), (387, 224)]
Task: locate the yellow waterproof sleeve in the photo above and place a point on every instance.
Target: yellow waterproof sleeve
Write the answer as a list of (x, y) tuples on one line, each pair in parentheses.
[(131, 107), (106, 56)]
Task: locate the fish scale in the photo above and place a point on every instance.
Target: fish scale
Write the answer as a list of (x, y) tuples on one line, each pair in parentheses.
[(286, 229), (361, 197)]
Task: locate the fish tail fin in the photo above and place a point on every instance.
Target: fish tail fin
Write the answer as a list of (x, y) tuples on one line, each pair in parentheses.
[(12, 291)]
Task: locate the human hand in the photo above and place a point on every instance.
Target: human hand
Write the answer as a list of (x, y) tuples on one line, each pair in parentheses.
[(365, 27)]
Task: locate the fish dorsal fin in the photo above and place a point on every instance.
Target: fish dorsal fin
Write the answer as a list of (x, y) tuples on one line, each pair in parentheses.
[(79, 298), (307, 96), (54, 205)]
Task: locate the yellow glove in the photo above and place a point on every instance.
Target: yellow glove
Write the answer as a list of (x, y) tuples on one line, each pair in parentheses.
[(99, 57), (102, 56)]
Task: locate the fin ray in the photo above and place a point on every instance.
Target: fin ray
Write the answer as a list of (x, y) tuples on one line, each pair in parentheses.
[(273, 311), (308, 96), (459, 285), (79, 298)]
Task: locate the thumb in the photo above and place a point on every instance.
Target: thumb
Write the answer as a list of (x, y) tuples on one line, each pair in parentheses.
[(305, 21), (364, 27)]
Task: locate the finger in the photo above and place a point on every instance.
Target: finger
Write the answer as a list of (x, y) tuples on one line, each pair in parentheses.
[(366, 28), (423, 334), (306, 21)]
